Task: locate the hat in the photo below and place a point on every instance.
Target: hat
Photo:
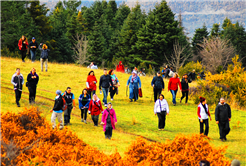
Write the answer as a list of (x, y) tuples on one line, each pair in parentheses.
[(158, 72), (235, 162), (33, 37), (134, 72), (202, 99), (58, 92), (109, 103)]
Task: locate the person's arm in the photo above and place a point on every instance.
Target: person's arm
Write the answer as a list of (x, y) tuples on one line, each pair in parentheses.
[(39, 47), (198, 112), (169, 84), (209, 115), (110, 80), (23, 80), (90, 106), (88, 102), (128, 81), (167, 107), (229, 112), (163, 84), (180, 87), (73, 98), (139, 82), (217, 115), (20, 44), (153, 81), (29, 77), (155, 107), (103, 118), (100, 83), (12, 80), (100, 106), (80, 101), (37, 79)]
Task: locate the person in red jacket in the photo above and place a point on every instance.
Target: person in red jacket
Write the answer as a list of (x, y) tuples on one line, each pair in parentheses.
[(173, 84), (95, 108), (120, 67), (91, 83), (23, 43)]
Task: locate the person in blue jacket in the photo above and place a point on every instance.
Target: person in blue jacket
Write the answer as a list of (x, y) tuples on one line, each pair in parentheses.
[(135, 84), (84, 100)]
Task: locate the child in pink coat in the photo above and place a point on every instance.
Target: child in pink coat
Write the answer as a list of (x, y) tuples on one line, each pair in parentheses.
[(109, 121)]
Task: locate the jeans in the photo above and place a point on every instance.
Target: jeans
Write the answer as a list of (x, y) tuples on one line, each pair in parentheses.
[(17, 96), (185, 94), (108, 132), (174, 92), (205, 121), (162, 119), (84, 112), (53, 119), (32, 93), (224, 129), (105, 95), (42, 64), (156, 93), (33, 55), (95, 119)]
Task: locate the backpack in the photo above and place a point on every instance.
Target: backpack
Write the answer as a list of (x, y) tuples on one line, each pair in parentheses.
[(158, 83), (170, 73), (60, 104)]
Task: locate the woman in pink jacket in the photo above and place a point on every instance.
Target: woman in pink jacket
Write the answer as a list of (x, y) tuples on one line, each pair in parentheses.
[(109, 121)]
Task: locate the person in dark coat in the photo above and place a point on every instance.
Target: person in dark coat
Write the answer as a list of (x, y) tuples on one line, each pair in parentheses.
[(33, 47), (32, 79), (44, 56), (193, 75), (104, 85), (18, 81), (167, 71), (70, 102), (185, 88), (158, 85), (222, 117)]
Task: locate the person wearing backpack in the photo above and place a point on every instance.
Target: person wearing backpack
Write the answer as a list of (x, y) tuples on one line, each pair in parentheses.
[(44, 56), (84, 100), (158, 85), (70, 102), (161, 109), (95, 108), (109, 121), (115, 83), (57, 110)]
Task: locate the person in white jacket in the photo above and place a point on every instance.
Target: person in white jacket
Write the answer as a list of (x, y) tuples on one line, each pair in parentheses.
[(161, 109)]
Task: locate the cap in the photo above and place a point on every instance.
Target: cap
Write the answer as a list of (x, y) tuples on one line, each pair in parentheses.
[(58, 92), (33, 37)]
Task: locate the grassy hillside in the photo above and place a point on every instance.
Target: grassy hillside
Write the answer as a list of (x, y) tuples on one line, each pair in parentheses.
[(182, 118)]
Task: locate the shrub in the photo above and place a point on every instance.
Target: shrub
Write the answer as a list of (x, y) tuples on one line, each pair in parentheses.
[(5, 52), (189, 68)]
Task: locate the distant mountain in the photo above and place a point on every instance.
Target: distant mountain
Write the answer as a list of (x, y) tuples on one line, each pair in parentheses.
[(194, 13)]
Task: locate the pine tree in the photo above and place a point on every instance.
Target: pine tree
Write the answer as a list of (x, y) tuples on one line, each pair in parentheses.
[(96, 45), (198, 37), (89, 19), (110, 13), (157, 36), (121, 14), (215, 31)]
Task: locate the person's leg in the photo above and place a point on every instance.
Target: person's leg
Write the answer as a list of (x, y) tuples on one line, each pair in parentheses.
[(82, 113), (96, 119), (34, 93), (94, 92), (221, 129), (201, 126), (174, 96), (32, 54), (163, 114), (155, 95), (110, 132), (186, 94), (93, 119), (206, 127), (183, 95), (85, 117), (159, 120), (106, 132), (17, 97), (175, 92), (30, 94), (111, 93), (46, 65), (227, 129), (53, 119), (104, 96), (60, 120), (42, 63), (69, 113)]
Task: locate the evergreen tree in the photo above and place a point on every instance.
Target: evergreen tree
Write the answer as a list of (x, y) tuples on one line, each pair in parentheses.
[(121, 14), (96, 45), (215, 31), (157, 36), (97, 10), (198, 37), (89, 19), (128, 34), (110, 13)]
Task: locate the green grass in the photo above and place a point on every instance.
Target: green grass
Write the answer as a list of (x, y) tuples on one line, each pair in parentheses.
[(182, 119)]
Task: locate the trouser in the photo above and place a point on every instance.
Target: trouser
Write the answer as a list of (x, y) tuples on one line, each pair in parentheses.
[(59, 117), (174, 92), (23, 54), (162, 119), (108, 132), (205, 121), (157, 92), (17, 96), (33, 55), (185, 94), (224, 129), (84, 113), (91, 93), (67, 114), (95, 119), (42, 63), (112, 92), (105, 95), (32, 93)]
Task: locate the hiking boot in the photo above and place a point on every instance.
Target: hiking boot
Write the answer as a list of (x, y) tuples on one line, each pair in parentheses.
[(82, 120), (46, 70), (105, 105), (18, 105), (112, 99), (85, 122), (131, 100)]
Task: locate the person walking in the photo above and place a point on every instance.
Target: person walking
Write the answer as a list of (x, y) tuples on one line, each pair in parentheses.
[(104, 84), (91, 83), (120, 67), (109, 121), (163, 72), (33, 47), (167, 71), (185, 88), (95, 108), (23, 46), (70, 102), (193, 75), (173, 84), (32, 81), (17, 80), (57, 110), (222, 117), (84, 100), (203, 114), (161, 109), (135, 84), (44, 56), (115, 84), (158, 85)]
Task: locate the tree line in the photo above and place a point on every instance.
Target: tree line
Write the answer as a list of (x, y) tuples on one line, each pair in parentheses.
[(106, 33)]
